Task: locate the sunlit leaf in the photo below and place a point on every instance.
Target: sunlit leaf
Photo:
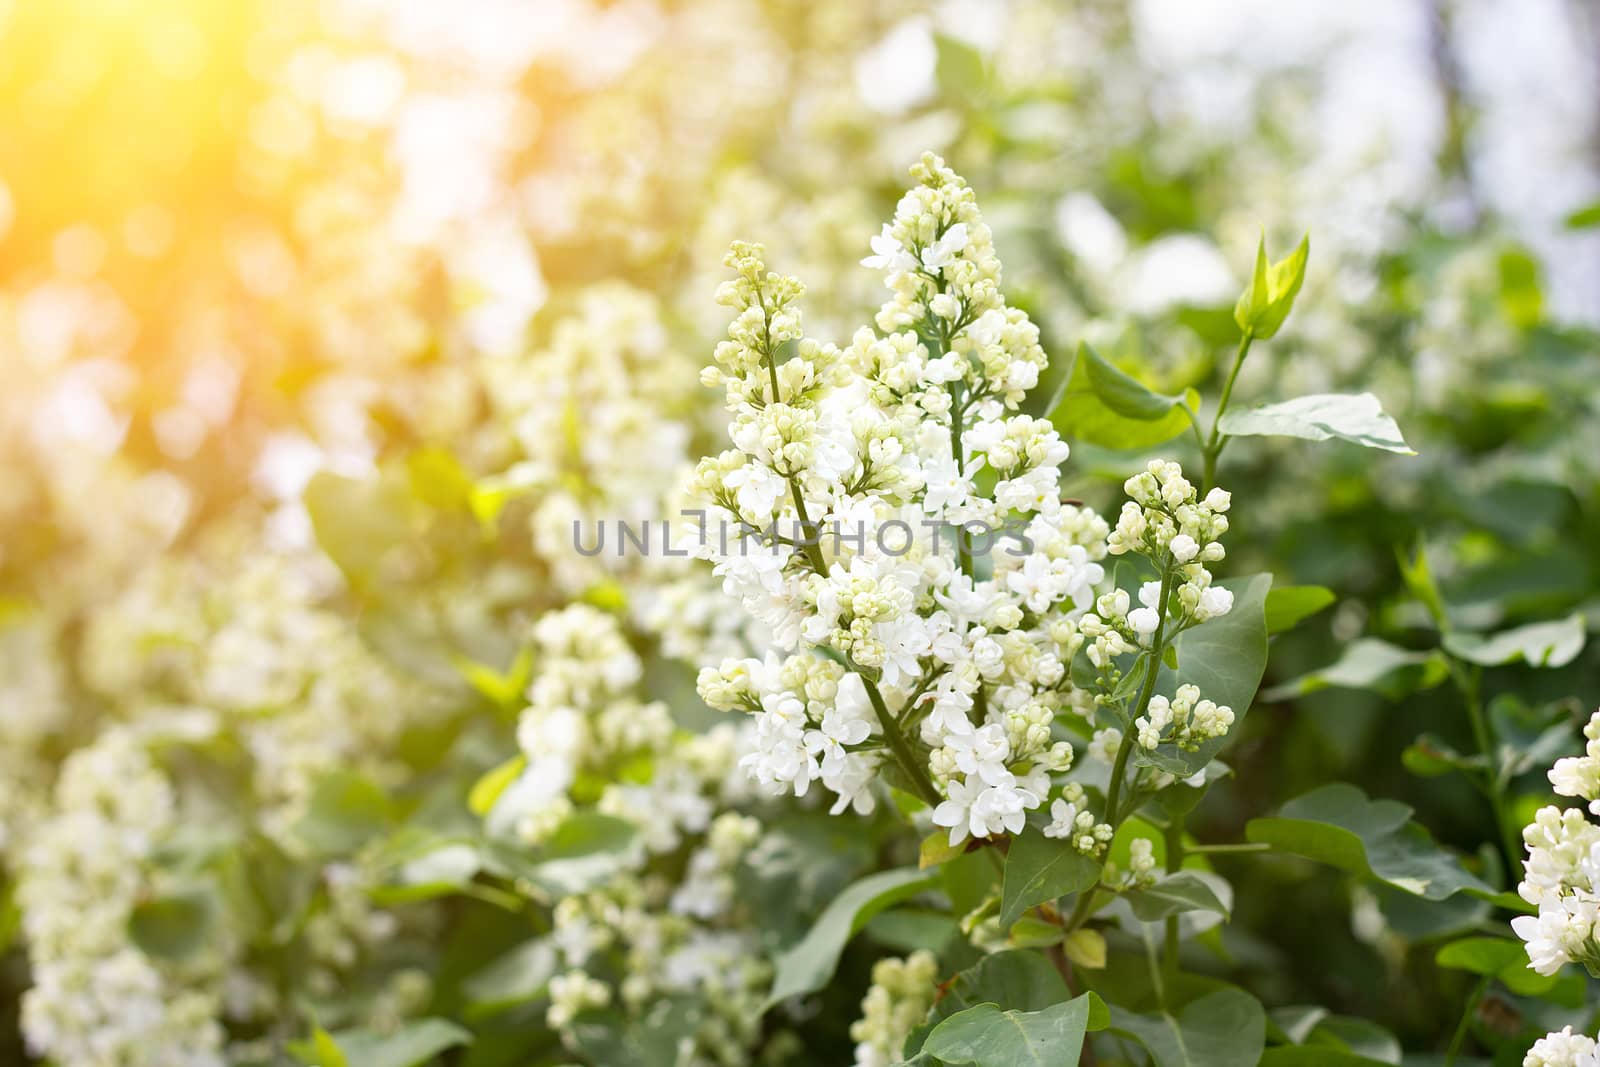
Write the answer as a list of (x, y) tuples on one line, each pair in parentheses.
[(1357, 418), (1539, 644), (1374, 665), (1289, 605)]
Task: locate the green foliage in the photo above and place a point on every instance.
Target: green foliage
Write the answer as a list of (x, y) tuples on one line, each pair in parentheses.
[(1226, 658), (1339, 826), (1372, 664), (652, 1040), (585, 851), (174, 927), (988, 1037), (1267, 301), (1178, 892), (1289, 606), (1105, 406), (1221, 1029), (807, 966), (1011, 980), (413, 1045), (1041, 869), (1356, 418), (346, 811), (1539, 644)]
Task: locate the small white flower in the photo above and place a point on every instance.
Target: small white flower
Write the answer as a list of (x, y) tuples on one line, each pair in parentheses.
[(943, 252), (888, 254), (955, 812), (1184, 548), (1063, 819)]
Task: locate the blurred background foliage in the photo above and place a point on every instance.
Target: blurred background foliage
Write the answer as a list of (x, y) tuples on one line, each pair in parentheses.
[(245, 243)]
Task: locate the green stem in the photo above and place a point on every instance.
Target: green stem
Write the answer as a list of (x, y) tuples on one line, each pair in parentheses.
[(1158, 646), (1468, 681), (1081, 911), (1119, 767), (913, 769), (1158, 974), (1169, 953), (959, 451), (1119, 770), (1242, 846), (1214, 446), (808, 545), (1466, 1020)]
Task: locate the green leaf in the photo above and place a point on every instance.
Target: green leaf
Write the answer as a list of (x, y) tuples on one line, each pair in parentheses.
[(346, 811), (1539, 644), (1527, 738), (1226, 658), (1353, 417), (1269, 297), (505, 690), (801, 863), (587, 849), (1482, 955), (1086, 948), (1289, 605), (1031, 932), (446, 868), (1374, 665), (1342, 1036), (1178, 892), (1358, 1037), (654, 1039), (176, 926), (514, 978), (936, 849), (1499, 957), (1315, 1056), (1428, 757), (1521, 294), (1338, 825), (809, 965), (1224, 1029), (960, 69), (321, 1051), (357, 521), (487, 790), (1103, 406), (438, 479), (1040, 869), (415, 1043), (1016, 979), (1120, 391), (1585, 218), (1418, 576), (988, 1037)]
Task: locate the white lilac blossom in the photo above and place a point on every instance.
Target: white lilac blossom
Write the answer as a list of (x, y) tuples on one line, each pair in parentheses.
[(583, 716), (644, 934), (227, 641), (1561, 876), (897, 527), (599, 419), (96, 999), (1563, 1049), (897, 1002)]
